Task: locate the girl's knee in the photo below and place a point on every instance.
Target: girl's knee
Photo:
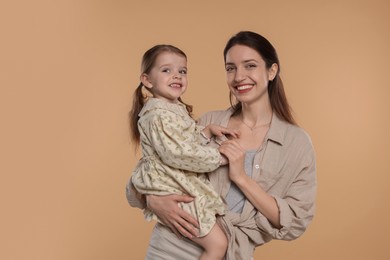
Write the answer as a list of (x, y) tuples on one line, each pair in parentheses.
[(222, 243)]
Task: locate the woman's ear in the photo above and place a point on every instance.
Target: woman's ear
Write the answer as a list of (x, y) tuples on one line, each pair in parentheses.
[(273, 71), (145, 80)]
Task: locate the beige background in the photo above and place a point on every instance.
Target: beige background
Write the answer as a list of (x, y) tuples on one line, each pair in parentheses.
[(67, 72)]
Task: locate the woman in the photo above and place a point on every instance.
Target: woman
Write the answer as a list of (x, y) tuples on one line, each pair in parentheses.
[(270, 182)]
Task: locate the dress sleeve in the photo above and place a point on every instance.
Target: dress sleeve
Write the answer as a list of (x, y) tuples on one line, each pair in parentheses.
[(297, 206), (134, 198), (177, 143)]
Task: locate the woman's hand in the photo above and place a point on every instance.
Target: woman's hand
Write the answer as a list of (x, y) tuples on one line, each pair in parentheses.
[(262, 201), (171, 215), (236, 156)]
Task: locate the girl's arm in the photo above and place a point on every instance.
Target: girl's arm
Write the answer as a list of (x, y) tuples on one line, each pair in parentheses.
[(216, 130), (177, 143)]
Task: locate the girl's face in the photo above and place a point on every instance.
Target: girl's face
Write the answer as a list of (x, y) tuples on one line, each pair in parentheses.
[(168, 77), (247, 74)]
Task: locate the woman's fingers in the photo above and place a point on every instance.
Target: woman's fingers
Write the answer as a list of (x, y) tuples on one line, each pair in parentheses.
[(232, 150), (185, 223), (185, 228), (182, 198), (189, 220), (171, 215)]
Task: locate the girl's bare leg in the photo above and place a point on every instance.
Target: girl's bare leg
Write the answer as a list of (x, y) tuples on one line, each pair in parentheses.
[(214, 244)]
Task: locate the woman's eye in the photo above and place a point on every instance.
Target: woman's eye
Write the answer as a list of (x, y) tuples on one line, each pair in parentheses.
[(229, 68), (251, 66)]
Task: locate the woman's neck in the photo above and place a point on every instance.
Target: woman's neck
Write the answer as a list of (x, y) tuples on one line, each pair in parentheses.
[(253, 123), (255, 114)]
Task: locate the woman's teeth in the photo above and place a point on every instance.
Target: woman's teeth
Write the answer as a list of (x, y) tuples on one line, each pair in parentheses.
[(244, 87)]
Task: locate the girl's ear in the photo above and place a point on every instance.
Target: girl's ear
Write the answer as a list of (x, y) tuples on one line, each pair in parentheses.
[(145, 80), (273, 71)]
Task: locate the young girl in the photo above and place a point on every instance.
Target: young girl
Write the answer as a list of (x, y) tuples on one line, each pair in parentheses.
[(175, 156)]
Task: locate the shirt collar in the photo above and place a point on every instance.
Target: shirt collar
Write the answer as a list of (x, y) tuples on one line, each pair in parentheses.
[(276, 132), (154, 103)]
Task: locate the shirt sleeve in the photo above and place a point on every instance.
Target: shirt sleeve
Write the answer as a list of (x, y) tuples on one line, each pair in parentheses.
[(297, 207), (178, 145)]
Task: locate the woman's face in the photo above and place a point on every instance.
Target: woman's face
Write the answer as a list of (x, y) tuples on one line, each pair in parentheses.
[(247, 74)]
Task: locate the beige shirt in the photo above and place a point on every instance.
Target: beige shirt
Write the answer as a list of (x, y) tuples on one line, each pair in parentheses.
[(285, 168)]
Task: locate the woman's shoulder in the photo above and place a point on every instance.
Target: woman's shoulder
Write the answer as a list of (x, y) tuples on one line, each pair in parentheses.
[(214, 113), (297, 131), (289, 134), (299, 140), (214, 116)]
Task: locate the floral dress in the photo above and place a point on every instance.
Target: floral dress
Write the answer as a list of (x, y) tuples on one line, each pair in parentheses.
[(175, 160)]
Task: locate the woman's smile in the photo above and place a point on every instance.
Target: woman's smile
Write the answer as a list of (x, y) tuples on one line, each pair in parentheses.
[(244, 88)]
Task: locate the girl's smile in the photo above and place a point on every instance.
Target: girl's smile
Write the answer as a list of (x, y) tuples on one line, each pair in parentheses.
[(168, 77)]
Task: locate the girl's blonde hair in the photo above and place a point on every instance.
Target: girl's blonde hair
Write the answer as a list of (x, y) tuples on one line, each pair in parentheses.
[(139, 98)]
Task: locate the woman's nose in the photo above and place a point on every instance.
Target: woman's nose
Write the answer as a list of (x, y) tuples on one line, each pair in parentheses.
[(239, 75)]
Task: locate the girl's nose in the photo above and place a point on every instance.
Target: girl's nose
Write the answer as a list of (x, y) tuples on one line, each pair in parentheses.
[(176, 76)]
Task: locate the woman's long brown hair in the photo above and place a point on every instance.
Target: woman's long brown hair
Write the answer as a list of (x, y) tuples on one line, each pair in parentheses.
[(276, 93)]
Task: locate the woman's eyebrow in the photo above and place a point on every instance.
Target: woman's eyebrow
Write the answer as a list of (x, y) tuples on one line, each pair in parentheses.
[(244, 61), (250, 60)]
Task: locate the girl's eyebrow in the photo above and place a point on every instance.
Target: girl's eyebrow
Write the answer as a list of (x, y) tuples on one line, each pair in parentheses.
[(168, 65), (165, 65)]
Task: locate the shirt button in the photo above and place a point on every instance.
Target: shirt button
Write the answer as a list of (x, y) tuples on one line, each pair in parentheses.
[(257, 166)]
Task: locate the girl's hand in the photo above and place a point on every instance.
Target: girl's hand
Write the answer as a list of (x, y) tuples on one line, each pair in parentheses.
[(170, 214), (224, 160), (216, 130), (236, 156)]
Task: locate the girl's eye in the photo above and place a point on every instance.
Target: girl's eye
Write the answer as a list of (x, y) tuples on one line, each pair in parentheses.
[(166, 70), (183, 72)]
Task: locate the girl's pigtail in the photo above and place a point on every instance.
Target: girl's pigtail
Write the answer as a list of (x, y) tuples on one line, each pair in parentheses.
[(138, 103), (188, 107)]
